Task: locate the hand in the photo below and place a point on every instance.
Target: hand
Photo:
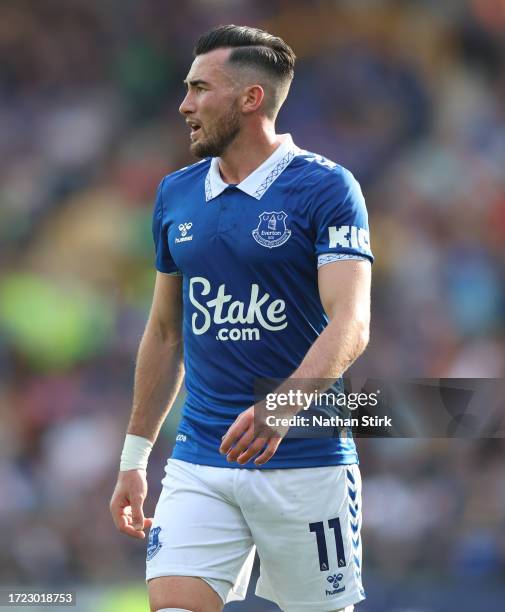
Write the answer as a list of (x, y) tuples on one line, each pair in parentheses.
[(127, 501), (245, 439)]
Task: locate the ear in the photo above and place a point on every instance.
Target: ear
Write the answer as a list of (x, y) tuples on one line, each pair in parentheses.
[(252, 98)]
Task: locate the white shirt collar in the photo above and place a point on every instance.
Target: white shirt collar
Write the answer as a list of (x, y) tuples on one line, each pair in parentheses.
[(257, 183)]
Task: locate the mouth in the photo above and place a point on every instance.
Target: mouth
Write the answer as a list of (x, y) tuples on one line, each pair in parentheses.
[(194, 126)]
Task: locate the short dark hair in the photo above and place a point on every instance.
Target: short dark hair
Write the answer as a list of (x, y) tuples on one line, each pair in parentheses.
[(251, 47)]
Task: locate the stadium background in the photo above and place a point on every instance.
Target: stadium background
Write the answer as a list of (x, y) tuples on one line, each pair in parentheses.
[(411, 97)]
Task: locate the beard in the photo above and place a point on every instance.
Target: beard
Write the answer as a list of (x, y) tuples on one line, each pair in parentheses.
[(218, 139)]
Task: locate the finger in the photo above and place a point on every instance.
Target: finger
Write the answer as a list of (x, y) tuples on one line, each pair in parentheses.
[(124, 527), (233, 434), (148, 523), (269, 451), (241, 445), (137, 512), (253, 450), (117, 509)]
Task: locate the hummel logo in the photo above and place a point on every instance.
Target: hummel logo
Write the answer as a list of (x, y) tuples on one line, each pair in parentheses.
[(335, 580), (184, 229)]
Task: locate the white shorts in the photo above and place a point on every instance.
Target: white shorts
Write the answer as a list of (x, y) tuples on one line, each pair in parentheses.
[(305, 524)]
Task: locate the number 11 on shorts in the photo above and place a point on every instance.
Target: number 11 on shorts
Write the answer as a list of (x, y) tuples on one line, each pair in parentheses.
[(322, 550)]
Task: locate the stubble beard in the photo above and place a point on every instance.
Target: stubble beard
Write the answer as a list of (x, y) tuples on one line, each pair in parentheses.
[(223, 134)]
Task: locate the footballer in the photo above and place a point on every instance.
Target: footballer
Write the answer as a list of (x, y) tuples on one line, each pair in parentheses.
[(263, 272)]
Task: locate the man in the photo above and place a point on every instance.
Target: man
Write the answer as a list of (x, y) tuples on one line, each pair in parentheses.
[(257, 246)]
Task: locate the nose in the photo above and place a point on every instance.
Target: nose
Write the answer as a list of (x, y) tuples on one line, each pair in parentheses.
[(187, 105)]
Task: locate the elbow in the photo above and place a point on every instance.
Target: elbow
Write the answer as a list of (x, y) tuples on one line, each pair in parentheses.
[(173, 341), (362, 336), (166, 333)]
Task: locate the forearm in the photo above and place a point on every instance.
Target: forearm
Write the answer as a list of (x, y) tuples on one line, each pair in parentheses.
[(339, 345), (158, 377), (335, 349)]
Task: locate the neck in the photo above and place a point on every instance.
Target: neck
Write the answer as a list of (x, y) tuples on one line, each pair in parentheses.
[(248, 151)]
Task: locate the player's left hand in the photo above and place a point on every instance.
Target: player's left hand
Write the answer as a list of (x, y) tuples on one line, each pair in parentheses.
[(245, 439)]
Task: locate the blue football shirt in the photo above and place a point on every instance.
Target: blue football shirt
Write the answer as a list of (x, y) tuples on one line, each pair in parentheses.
[(249, 255)]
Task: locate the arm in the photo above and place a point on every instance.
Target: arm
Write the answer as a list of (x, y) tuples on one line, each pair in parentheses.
[(159, 369), (344, 288), (158, 377)]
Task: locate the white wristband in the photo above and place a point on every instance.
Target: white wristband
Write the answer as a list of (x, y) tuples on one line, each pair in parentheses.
[(136, 451)]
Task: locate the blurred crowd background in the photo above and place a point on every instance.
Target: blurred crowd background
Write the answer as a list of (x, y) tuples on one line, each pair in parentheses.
[(409, 95)]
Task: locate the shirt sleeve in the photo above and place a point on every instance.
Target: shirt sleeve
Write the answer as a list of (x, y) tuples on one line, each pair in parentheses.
[(164, 261), (341, 220)]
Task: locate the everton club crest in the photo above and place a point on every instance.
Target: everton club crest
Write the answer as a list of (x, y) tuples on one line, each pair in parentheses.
[(272, 231), (154, 543)]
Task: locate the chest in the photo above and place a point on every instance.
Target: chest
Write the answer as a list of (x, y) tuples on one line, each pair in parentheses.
[(234, 228)]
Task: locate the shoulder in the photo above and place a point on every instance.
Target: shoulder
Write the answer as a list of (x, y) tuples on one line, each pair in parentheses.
[(324, 178), (185, 176), (322, 174)]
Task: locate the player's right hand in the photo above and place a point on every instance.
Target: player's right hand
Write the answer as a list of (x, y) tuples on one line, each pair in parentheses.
[(127, 501)]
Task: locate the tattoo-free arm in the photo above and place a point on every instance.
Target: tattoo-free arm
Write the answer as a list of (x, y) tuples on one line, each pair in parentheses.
[(344, 289), (159, 369), (158, 377)]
